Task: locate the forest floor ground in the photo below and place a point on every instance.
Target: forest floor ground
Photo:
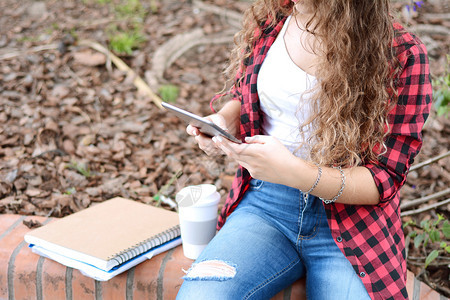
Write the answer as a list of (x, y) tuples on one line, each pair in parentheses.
[(75, 130)]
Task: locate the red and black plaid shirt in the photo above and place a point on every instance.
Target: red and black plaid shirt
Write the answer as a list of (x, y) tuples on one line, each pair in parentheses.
[(371, 237)]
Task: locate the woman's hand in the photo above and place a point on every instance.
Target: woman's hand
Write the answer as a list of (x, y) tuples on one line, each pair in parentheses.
[(268, 159), (265, 157), (204, 142), (227, 118)]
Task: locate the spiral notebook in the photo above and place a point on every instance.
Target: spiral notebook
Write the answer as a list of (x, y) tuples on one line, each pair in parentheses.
[(108, 234)]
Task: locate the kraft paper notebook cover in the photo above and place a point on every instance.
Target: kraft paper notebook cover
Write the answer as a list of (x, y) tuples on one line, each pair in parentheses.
[(108, 234)]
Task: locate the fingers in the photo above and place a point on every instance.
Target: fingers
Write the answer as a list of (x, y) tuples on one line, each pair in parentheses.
[(204, 142), (219, 142), (233, 150), (256, 139), (193, 131)]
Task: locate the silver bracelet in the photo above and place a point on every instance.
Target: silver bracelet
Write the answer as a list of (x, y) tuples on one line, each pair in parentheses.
[(341, 189), (317, 179)]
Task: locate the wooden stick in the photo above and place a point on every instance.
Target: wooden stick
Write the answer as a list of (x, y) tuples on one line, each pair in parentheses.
[(234, 18), (418, 201), (433, 264), (426, 208), (14, 52), (122, 66), (423, 258), (429, 161), (444, 16)]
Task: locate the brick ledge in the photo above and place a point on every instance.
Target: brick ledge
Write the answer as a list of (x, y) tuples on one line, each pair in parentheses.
[(25, 275)]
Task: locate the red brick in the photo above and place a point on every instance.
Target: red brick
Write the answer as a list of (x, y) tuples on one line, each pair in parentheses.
[(162, 274), (82, 287), (426, 293), (173, 273), (25, 274), (53, 280), (115, 288), (298, 289), (7, 221), (410, 284), (145, 280), (8, 244)]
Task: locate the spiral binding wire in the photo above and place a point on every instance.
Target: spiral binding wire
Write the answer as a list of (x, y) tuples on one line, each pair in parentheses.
[(142, 247)]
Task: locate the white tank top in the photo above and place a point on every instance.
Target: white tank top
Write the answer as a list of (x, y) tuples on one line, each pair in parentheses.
[(283, 93)]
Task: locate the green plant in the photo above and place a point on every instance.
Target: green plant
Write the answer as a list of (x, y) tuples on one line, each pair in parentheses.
[(32, 39), (98, 1), (165, 187), (131, 9), (169, 92), (130, 36), (70, 191), (81, 168), (126, 41), (433, 233), (441, 86)]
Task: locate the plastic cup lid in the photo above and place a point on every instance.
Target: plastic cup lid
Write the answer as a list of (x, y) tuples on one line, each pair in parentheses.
[(198, 195)]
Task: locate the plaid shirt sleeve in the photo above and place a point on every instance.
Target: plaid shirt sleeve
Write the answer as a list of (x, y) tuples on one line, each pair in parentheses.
[(406, 119)]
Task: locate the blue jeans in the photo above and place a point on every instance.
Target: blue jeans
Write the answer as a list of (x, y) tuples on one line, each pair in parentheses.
[(276, 235)]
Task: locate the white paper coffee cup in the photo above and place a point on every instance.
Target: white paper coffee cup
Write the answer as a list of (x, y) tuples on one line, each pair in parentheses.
[(197, 210)]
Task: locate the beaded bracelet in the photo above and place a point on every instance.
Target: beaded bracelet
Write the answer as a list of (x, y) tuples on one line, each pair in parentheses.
[(317, 179), (340, 190)]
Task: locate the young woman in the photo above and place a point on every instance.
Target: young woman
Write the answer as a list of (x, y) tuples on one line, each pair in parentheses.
[(329, 99)]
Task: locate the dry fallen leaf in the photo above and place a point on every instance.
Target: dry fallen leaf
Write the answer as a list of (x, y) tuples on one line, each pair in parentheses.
[(89, 58)]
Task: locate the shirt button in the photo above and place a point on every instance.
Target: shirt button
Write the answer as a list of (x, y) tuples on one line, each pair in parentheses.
[(339, 239), (362, 274)]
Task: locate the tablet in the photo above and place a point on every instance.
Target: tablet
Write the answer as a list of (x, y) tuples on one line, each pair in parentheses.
[(205, 126)]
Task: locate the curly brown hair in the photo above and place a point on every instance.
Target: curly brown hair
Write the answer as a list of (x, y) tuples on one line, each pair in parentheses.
[(355, 82)]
